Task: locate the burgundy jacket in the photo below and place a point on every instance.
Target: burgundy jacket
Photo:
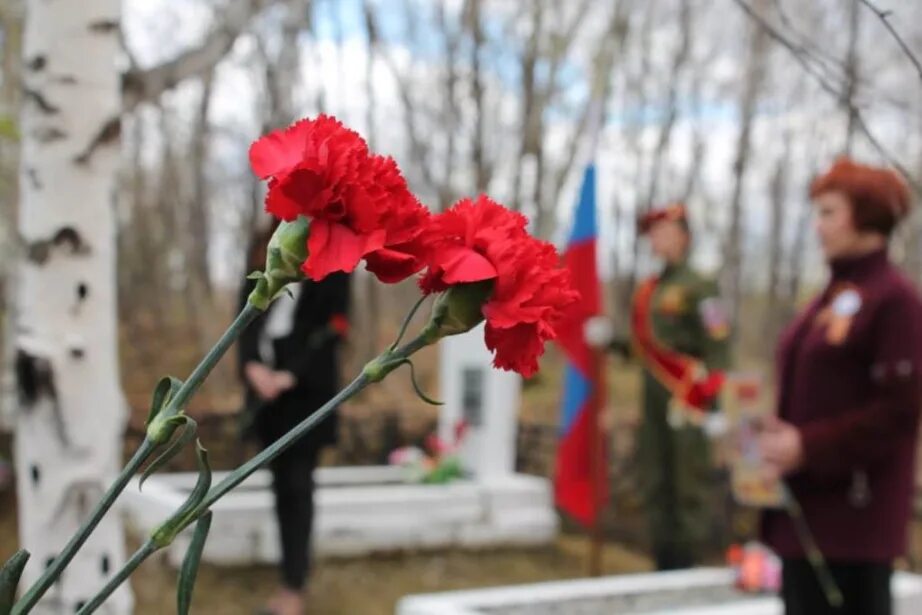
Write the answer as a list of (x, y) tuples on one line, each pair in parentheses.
[(849, 378)]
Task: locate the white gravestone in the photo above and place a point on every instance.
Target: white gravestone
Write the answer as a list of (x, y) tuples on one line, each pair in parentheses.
[(485, 399), (363, 510)]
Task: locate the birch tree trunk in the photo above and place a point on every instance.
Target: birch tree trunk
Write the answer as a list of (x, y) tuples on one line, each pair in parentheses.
[(733, 250), (11, 20), (851, 74), (70, 419)]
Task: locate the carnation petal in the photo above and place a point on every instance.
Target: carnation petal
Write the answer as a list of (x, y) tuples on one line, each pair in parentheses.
[(516, 348), (335, 247), (463, 265), (391, 266), (279, 151), (280, 204)]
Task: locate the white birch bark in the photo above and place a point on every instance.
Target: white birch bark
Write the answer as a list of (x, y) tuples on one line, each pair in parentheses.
[(71, 414)]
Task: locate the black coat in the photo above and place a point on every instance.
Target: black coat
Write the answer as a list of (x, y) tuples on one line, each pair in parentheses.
[(310, 352)]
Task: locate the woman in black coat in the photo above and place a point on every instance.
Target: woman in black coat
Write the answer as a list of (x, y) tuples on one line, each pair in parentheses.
[(289, 365)]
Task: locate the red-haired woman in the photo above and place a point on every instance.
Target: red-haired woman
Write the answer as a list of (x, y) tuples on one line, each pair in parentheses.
[(848, 400)]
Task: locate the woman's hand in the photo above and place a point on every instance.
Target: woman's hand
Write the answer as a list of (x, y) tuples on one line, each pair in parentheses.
[(780, 446), (263, 380), (284, 380)]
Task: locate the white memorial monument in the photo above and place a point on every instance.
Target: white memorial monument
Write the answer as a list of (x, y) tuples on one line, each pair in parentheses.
[(368, 509), (485, 399)]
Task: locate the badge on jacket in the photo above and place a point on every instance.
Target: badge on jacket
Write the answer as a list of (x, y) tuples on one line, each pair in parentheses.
[(672, 300), (714, 317), (845, 305)]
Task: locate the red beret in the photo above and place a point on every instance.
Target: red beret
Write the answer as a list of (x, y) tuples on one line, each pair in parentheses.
[(674, 211), (879, 197)]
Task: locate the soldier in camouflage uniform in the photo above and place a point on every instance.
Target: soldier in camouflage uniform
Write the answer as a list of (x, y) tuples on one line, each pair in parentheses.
[(680, 332)]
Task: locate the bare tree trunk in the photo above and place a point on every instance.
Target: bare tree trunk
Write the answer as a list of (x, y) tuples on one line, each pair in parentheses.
[(561, 40), (610, 48), (68, 431), (419, 147), (169, 217), (639, 205), (678, 63), (481, 168), (450, 111), (368, 341), (733, 256), (11, 18), (851, 73), (530, 124), (778, 192), (698, 141), (798, 251), (198, 230)]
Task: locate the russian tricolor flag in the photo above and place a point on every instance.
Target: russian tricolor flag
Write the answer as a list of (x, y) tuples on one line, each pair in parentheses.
[(580, 487)]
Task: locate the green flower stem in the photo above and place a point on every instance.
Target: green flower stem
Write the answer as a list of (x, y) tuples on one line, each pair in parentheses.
[(145, 551), (247, 315), (381, 366), (390, 359), (147, 447), (51, 574)]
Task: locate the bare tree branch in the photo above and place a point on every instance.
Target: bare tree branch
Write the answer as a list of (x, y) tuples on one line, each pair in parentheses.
[(832, 90), (678, 64), (419, 150), (756, 70), (611, 46), (450, 111), (481, 168), (884, 16), (145, 85)]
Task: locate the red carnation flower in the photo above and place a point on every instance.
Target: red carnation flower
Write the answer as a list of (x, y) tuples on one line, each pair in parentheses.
[(480, 240), (359, 204), (309, 165)]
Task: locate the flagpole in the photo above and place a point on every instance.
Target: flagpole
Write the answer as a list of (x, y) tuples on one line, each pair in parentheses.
[(599, 460), (599, 466)]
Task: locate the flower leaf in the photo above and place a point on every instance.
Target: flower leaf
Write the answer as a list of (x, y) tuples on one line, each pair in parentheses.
[(164, 534), (416, 387), (190, 564), (164, 391), (9, 579), (188, 432)]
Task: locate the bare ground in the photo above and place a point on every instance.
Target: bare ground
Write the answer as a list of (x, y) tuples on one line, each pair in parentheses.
[(361, 586), (372, 586)]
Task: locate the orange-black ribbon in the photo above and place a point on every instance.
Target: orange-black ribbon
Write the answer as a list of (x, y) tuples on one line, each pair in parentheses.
[(684, 376)]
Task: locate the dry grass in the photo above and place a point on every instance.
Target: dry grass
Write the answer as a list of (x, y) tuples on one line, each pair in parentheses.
[(372, 586), (362, 586)]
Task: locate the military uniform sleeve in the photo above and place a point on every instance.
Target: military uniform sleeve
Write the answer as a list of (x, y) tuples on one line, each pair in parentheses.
[(714, 327)]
